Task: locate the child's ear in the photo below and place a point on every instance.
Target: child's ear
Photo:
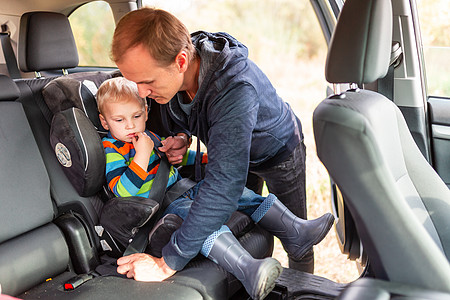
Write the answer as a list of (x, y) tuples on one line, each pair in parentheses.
[(103, 121)]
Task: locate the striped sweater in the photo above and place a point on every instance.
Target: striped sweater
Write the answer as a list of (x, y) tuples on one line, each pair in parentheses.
[(126, 178)]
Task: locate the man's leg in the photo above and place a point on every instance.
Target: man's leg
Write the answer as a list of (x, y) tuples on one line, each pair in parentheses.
[(287, 181)]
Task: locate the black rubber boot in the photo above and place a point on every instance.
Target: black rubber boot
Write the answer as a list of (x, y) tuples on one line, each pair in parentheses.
[(296, 235), (161, 233), (256, 275)]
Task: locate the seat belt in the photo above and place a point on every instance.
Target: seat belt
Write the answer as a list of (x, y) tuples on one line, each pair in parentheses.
[(10, 58), (386, 84), (157, 193)]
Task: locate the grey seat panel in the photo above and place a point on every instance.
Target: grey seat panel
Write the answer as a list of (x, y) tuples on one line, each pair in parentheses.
[(395, 239), (399, 204), (26, 187)]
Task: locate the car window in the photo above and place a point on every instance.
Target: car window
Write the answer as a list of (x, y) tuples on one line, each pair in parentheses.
[(93, 27), (434, 18)]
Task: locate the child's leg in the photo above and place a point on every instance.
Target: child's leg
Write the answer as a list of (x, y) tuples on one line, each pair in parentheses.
[(296, 235), (172, 219), (257, 275)]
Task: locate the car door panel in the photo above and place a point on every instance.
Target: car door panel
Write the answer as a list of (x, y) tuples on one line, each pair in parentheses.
[(439, 111)]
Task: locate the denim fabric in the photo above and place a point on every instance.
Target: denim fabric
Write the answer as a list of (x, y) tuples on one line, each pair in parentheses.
[(287, 181), (247, 204)]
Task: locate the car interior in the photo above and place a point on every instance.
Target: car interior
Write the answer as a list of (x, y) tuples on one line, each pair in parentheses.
[(51, 204)]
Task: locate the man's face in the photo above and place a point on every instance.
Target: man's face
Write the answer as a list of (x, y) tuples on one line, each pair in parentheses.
[(124, 119), (153, 81)]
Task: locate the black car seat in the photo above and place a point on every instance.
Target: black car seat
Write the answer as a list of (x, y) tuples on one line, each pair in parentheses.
[(400, 206), (70, 216), (34, 251)]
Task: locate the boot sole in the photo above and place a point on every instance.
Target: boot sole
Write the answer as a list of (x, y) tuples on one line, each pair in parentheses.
[(320, 237), (267, 273)]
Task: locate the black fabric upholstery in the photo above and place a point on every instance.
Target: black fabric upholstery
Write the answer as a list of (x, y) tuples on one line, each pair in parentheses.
[(109, 288), (46, 42), (39, 116), (29, 259), (79, 150), (10, 91), (26, 186), (31, 248), (76, 90)]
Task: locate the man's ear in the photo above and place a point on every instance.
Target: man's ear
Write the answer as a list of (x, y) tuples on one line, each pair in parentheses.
[(146, 112), (182, 61), (103, 121)]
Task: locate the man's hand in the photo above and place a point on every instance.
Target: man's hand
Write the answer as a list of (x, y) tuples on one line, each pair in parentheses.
[(144, 267), (175, 147)]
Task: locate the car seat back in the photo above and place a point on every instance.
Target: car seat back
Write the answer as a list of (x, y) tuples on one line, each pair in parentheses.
[(399, 204), (31, 247), (46, 43), (74, 137)]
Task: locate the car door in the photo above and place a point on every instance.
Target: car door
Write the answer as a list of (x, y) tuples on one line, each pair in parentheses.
[(434, 21)]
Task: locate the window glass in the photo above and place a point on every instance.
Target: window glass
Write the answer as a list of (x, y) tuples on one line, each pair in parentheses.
[(93, 27), (434, 18)]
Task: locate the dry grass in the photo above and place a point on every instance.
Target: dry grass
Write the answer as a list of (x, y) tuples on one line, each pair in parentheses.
[(302, 85)]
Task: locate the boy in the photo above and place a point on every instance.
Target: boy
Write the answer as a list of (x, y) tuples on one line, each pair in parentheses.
[(130, 170)]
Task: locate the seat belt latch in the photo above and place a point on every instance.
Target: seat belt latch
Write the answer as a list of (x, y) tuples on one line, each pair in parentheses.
[(76, 281)]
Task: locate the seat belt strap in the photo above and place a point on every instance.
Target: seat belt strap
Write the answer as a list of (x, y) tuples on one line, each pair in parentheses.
[(157, 193), (386, 84), (10, 58)]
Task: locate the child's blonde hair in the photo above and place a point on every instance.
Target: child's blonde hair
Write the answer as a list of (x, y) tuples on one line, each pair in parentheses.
[(115, 90)]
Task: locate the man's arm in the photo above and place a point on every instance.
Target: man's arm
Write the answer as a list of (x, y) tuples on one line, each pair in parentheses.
[(228, 161)]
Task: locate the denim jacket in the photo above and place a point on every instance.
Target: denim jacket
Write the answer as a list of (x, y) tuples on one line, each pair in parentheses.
[(244, 124)]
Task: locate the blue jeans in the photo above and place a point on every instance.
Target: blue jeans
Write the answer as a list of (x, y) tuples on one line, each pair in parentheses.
[(248, 202)]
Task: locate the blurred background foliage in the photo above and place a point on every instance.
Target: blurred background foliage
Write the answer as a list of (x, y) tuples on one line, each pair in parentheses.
[(434, 16), (264, 26), (93, 41)]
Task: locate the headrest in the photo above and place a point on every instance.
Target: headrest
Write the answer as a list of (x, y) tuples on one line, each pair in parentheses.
[(76, 90), (8, 89), (46, 42), (360, 47)]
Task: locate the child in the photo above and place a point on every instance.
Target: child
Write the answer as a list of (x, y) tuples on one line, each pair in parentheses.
[(131, 168)]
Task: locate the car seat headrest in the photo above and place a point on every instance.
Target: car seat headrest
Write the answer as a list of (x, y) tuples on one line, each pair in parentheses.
[(8, 88), (46, 42), (360, 47), (76, 91)]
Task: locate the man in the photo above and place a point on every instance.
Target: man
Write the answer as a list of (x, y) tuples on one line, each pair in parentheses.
[(207, 86)]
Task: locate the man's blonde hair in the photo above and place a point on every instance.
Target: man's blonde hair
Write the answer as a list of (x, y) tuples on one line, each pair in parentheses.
[(115, 90), (160, 32)]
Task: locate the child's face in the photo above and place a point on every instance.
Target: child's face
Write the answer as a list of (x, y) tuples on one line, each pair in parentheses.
[(124, 118)]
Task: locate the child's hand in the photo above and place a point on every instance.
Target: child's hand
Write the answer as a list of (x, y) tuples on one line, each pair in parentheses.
[(142, 142), (143, 145)]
